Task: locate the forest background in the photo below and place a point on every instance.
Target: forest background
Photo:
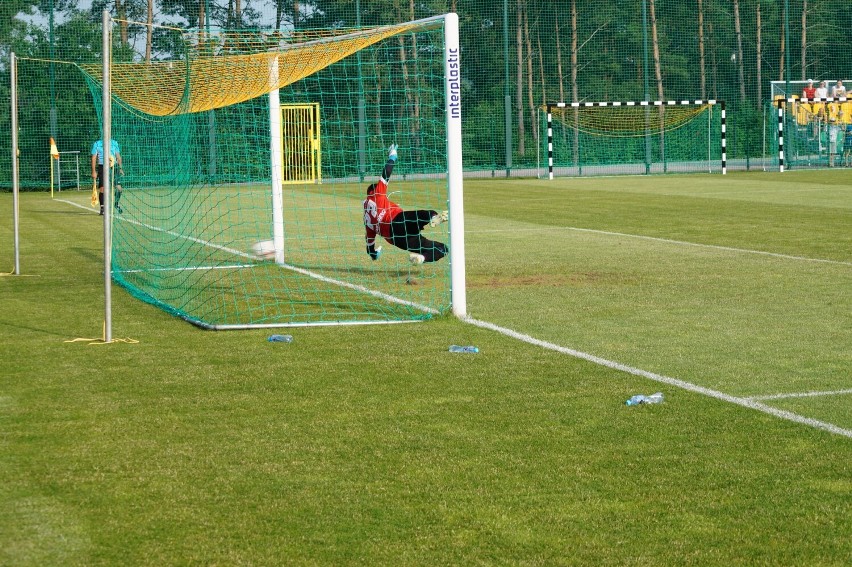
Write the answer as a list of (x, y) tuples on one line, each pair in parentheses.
[(517, 55)]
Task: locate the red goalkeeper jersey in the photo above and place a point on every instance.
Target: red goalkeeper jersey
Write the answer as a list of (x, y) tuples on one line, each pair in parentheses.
[(379, 211)]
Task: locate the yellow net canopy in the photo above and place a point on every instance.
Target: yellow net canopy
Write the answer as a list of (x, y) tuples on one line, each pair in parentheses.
[(224, 68), (626, 121)]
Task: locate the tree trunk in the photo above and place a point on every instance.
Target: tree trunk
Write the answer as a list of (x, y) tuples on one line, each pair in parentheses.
[(279, 13), (574, 88), (519, 99), (377, 92), (740, 66), (530, 99), (541, 70), (702, 64), (804, 38), (121, 15), (149, 40), (714, 64), (658, 72), (414, 95), (759, 57), (783, 53), (560, 76)]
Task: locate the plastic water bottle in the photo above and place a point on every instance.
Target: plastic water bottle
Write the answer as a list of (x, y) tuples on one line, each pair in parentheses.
[(639, 399), (457, 348), (280, 338)]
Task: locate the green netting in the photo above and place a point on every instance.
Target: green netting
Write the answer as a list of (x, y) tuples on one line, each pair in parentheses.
[(196, 196), (71, 120), (517, 55)]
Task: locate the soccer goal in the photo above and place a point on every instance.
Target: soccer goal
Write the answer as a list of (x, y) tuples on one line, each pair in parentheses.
[(635, 137), (248, 137), (811, 132)]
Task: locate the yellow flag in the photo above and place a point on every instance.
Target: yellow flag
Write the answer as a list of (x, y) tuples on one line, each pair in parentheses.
[(94, 193), (54, 152)]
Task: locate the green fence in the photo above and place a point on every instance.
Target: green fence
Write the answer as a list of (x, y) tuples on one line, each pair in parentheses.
[(517, 55)]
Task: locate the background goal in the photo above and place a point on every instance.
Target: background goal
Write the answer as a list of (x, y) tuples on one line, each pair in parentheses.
[(607, 138)]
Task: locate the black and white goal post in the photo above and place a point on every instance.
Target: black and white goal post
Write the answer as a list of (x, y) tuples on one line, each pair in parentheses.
[(636, 124), (782, 103)]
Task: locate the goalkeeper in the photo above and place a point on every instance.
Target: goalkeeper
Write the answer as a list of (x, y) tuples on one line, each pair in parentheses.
[(383, 217)]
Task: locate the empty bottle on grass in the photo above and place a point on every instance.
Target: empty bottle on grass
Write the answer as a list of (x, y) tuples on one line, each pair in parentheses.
[(457, 348), (639, 399), (280, 338)]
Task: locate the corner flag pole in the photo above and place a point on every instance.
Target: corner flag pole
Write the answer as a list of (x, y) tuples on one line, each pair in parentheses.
[(106, 102)]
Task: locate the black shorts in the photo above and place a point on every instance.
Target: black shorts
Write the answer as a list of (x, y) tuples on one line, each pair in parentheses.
[(116, 179)]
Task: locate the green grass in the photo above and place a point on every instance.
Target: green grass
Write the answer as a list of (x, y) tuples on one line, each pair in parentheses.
[(373, 445)]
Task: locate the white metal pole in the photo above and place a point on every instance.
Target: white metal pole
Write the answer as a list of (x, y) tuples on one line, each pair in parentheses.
[(275, 151), (455, 182), (13, 68), (106, 102)]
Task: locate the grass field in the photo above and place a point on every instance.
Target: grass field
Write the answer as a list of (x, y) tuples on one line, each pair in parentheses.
[(374, 445)]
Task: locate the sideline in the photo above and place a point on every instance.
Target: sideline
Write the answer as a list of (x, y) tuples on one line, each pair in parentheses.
[(801, 395), (744, 402)]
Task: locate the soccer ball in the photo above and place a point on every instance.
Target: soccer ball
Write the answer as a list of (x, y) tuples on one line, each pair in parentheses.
[(263, 250)]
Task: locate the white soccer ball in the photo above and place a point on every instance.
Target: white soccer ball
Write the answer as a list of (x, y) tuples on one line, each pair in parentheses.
[(263, 250)]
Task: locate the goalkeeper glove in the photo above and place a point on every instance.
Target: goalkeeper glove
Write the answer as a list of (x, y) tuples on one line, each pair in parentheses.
[(392, 156)]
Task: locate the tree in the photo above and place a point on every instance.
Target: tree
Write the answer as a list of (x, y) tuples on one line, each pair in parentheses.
[(759, 58), (740, 62), (702, 68), (519, 90)]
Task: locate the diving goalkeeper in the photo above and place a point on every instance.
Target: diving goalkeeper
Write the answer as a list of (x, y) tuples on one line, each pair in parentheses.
[(383, 217)]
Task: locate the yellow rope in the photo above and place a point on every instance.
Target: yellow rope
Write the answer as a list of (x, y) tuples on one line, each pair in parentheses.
[(102, 340), (46, 60)]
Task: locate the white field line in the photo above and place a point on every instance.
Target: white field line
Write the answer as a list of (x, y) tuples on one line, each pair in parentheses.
[(745, 402), (801, 395), (668, 241), (362, 289), (191, 268)]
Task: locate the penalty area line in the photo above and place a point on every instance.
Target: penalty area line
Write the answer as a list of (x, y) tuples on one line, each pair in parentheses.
[(750, 403)]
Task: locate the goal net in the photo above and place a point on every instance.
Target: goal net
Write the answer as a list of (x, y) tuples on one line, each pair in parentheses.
[(813, 132), (608, 138), (246, 159)]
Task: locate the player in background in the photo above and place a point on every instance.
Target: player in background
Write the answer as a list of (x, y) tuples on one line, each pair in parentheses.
[(98, 170), (383, 217)]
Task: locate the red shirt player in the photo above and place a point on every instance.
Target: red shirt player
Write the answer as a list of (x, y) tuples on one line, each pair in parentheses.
[(383, 217), (809, 92)]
